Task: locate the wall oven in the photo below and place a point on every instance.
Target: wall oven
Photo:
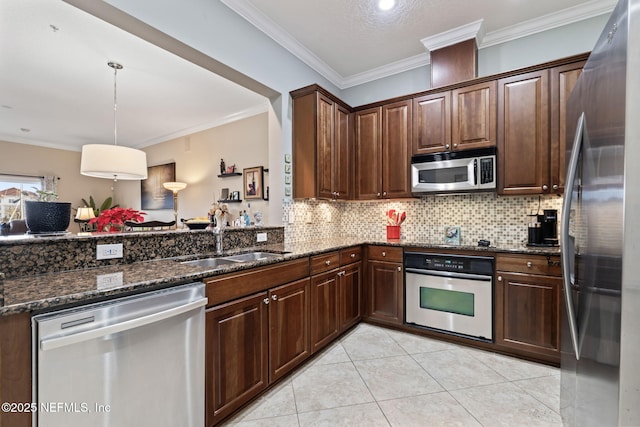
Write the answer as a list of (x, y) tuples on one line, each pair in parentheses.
[(454, 171), (450, 293)]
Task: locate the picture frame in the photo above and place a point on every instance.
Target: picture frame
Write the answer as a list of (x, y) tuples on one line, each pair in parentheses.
[(235, 195), (153, 195), (224, 194), (253, 182)]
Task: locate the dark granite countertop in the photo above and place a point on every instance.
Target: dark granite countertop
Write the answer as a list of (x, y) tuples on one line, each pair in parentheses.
[(57, 290)]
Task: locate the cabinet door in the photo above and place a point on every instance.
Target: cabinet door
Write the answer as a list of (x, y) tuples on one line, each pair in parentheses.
[(431, 123), (528, 310), (396, 149), (385, 291), (324, 146), (563, 79), (343, 158), (523, 134), (349, 296), (236, 355), (368, 178), (289, 335), (324, 309), (473, 116)]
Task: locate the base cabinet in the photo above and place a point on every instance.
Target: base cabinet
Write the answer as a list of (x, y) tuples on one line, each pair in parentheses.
[(385, 285), (528, 307), (251, 342)]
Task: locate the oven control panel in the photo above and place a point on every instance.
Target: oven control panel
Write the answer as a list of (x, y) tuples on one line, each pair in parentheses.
[(446, 262)]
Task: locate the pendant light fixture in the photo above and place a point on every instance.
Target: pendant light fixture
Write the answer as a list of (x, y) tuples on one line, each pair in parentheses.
[(113, 161)]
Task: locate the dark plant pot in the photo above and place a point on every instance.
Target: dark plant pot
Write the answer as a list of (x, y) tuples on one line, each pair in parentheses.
[(47, 217)]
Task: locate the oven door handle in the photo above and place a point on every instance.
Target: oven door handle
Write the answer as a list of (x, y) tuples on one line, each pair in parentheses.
[(449, 274)]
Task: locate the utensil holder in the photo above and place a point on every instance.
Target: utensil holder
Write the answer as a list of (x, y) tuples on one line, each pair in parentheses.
[(393, 231)]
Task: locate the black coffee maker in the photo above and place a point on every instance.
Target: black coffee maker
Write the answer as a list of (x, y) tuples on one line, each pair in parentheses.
[(544, 231)]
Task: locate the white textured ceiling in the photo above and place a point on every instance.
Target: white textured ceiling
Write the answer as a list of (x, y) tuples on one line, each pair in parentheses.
[(347, 39), (56, 83)]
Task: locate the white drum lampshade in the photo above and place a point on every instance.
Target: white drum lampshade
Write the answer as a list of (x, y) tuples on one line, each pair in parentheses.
[(113, 162)]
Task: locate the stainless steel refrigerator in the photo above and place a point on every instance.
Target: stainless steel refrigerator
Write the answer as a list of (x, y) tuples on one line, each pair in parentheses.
[(600, 377)]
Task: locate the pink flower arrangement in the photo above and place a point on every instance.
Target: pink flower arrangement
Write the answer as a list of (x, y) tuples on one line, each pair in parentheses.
[(116, 217)]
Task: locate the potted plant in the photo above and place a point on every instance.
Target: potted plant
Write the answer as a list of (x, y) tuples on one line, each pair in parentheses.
[(113, 219), (45, 215)]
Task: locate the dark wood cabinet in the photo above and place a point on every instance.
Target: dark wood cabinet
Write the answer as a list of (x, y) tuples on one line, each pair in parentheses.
[(289, 327), (473, 117), (322, 147), (383, 151), (236, 354), (335, 295), (523, 133), (461, 119), (385, 285), (562, 80), (529, 305), (15, 367)]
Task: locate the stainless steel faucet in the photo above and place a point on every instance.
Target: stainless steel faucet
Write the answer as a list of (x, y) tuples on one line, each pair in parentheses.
[(218, 234)]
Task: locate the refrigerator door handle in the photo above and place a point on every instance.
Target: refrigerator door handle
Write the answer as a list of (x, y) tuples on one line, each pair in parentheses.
[(567, 242)]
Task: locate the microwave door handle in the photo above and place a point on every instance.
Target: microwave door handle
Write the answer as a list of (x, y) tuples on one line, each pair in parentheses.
[(475, 172)]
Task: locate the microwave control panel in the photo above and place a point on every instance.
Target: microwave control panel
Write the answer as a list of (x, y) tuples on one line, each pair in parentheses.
[(486, 170)]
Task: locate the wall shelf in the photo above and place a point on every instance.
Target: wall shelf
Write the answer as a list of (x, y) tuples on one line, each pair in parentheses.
[(227, 175), (229, 201)]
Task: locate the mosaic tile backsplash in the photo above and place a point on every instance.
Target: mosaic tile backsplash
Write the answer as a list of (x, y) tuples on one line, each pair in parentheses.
[(502, 220)]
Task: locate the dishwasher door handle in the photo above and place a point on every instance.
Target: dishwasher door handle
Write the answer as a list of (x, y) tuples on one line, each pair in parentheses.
[(53, 343)]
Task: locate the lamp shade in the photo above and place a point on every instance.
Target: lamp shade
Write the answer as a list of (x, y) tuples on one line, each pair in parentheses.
[(85, 214), (113, 162), (174, 186)]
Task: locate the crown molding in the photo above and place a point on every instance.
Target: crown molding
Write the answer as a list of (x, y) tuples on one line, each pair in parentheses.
[(475, 30), (548, 22), (472, 30), (259, 20)]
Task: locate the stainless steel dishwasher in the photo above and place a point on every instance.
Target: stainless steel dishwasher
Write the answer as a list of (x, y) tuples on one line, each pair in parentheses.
[(133, 361)]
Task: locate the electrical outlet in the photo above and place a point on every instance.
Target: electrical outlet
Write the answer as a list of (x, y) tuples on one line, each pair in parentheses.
[(261, 237), (109, 251), (105, 281)]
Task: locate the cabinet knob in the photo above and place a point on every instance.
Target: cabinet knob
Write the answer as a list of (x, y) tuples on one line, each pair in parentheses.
[(545, 187), (352, 255), (446, 146), (378, 194), (341, 273), (455, 145), (384, 254), (327, 262), (266, 301), (399, 268), (274, 297), (337, 193), (499, 278), (529, 264), (384, 193), (555, 186)]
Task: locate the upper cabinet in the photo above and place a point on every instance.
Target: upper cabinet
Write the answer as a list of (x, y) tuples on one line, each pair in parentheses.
[(383, 151), (562, 79), (532, 130), (460, 119), (322, 152), (523, 133)]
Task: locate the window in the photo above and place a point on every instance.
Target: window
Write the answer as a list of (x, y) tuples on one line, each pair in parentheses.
[(13, 190)]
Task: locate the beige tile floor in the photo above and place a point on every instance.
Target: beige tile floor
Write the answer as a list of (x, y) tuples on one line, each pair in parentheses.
[(378, 377)]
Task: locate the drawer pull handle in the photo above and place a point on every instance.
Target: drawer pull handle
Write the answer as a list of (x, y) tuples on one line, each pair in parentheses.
[(384, 254), (499, 278), (274, 297), (352, 255), (266, 301), (399, 268), (529, 264), (327, 262)]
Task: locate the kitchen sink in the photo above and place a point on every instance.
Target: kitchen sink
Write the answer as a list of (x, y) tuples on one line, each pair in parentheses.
[(252, 256), (216, 262), (210, 262)]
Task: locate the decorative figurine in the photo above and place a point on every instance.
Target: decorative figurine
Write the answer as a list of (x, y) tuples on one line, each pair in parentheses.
[(223, 168)]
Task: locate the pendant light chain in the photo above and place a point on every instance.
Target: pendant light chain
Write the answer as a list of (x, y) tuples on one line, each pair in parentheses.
[(115, 67)]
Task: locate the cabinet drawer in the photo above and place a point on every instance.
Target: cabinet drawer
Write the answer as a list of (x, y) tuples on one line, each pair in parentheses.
[(531, 264), (347, 256), (385, 253), (325, 262), (235, 285)]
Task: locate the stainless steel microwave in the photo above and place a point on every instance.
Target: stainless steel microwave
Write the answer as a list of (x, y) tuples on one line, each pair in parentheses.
[(454, 171)]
